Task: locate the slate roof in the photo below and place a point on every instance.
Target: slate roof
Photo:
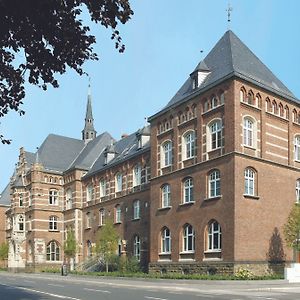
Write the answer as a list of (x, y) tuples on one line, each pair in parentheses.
[(230, 57), (125, 148), (5, 196), (58, 152), (91, 152)]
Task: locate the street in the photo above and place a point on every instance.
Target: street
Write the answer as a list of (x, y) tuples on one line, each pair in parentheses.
[(50, 286)]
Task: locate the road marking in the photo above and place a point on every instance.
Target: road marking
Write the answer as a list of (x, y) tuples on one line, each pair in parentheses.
[(29, 281), (94, 290), (209, 296), (175, 293), (59, 285), (154, 298)]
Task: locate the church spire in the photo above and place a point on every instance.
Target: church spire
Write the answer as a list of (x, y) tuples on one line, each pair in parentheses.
[(89, 132)]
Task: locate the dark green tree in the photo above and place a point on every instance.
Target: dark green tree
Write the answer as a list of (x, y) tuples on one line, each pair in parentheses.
[(39, 39)]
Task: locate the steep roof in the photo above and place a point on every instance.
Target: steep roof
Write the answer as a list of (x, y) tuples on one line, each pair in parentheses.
[(125, 148), (91, 152), (5, 196), (58, 152), (231, 57)]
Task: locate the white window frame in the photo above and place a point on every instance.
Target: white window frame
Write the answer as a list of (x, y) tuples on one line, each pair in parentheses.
[(214, 102), (188, 190), (89, 193), (166, 241), (53, 197), (214, 237), (215, 135), (53, 251), (249, 182), (53, 226), (166, 151), (119, 182), (137, 247), (118, 214), (102, 187), (298, 191), (214, 184), (248, 132), (188, 240), (297, 148), (136, 209), (166, 196), (101, 216), (137, 175), (188, 142)]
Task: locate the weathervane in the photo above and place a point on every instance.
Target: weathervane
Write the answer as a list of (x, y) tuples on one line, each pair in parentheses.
[(229, 10)]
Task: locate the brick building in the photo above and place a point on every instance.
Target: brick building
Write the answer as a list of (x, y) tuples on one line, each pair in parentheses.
[(207, 187)]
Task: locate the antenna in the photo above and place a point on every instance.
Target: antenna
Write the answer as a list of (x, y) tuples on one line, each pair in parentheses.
[(229, 10)]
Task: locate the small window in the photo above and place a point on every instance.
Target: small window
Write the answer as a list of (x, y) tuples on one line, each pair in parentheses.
[(53, 223), (21, 203), (69, 199), (249, 178), (136, 209), (119, 182), (189, 145), (137, 247), (214, 237), (297, 148), (188, 190), (242, 95), (166, 154), (101, 217), (214, 102), (137, 175), (214, 184), (215, 135), (20, 223), (165, 241), (166, 196), (53, 197), (102, 188), (188, 238), (88, 220), (89, 193), (118, 214), (248, 132)]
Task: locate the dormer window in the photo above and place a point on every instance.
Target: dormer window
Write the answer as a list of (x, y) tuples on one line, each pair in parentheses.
[(199, 75), (109, 154), (143, 136)]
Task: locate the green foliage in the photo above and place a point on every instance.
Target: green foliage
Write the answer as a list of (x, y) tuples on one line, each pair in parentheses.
[(292, 228), (244, 274), (51, 270), (107, 243), (129, 265), (3, 251), (70, 245)]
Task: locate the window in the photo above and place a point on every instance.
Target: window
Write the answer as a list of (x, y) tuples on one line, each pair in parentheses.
[(188, 187), (248, 132), (188, 238), (89, 193), (137, 247), (118, 214), (119, 182), (166, 196), (53, 223), (53, 197), (297, 147), (167, 154), (20, 223), (242, 95), (222, 98), (274, 108), (102, 188), (69, 199), (165, 241), (215, 135), (21, 203), (189, 145), (53, 251), (136, 209), (249, 176), (214, 102), (214, 184), (88, 220), (298, 191), (214, 237), (101, 217), (137, 174)]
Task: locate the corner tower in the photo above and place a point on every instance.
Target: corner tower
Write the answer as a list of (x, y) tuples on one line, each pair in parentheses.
[(89, 132)]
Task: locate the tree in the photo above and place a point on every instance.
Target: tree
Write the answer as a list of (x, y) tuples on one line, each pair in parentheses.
[(107, 243), (39, 39), (292, 228), (70, 245), (3, 251)]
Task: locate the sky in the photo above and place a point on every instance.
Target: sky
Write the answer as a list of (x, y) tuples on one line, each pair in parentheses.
[(163, 43)]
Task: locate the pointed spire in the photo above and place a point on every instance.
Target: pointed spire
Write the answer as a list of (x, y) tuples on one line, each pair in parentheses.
[(89, 132)]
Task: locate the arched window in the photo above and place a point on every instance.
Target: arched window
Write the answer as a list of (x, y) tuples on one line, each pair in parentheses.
[(166, 154), (214, 102), (101, 217), (268, 105), (188, 145), (102, 188), (137, 175), (222, 97), (188, 238), (281, 113), (242, 95), (165, 196), (214, 184), (188, 190), (274, 107), (20, 223), (286, 112), (118, 182), (89, 193), (250, 98), (165, 241), (297, 147), (68, 199), (258, 100), (137, 247), (215, 135), (248, 132), (136, 209), (118, 213), (53, 251), (214, 237), (249, 179), (295, 116), (53, 223)]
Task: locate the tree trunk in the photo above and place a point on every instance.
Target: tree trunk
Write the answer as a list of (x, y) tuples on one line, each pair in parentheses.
[(106, 266)]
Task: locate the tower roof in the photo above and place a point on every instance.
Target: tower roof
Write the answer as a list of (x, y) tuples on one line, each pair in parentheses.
[(230, 57)]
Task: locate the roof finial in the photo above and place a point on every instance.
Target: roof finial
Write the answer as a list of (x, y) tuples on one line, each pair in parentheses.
[(229, 10), (37, 155)]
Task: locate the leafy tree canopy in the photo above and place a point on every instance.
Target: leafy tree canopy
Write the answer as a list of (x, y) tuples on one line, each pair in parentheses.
[(70, 245), (292, 228), (39, 39), (3, 251)]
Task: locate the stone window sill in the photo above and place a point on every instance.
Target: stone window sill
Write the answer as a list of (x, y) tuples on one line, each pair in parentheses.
[(213, 198), (164, 208), (213, 251), (251, 196), (135, 219), (187, 203)]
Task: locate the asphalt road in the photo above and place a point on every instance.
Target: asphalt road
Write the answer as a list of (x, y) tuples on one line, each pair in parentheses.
[(49, 287)]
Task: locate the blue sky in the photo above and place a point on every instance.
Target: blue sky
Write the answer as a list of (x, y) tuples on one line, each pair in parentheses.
[(163, 42)]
